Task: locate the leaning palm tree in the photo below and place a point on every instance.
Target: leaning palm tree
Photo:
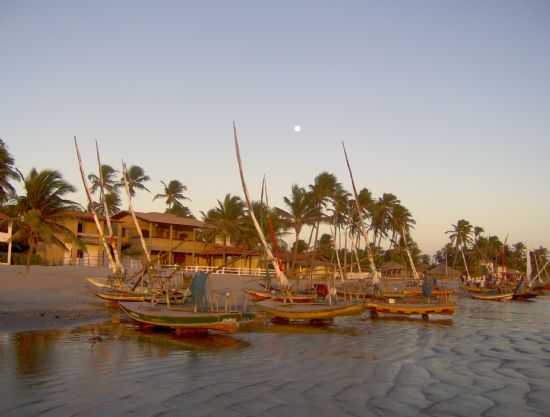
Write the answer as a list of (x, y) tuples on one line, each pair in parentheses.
[(173, 193), (38, 213), (300, 211), (7, 172), (136, 178)]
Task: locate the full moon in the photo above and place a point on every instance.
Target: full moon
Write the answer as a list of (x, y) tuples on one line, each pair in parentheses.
[(297, 128)]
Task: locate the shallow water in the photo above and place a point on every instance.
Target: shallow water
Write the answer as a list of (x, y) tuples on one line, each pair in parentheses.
[(492, 359)]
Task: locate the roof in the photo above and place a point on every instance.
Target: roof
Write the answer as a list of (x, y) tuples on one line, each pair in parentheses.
[(164, 218), (82, 215)]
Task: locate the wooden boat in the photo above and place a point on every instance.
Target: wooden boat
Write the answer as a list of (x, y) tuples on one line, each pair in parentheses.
[(258, 295), (413, 292), (478, 289), (117, 296), (493, 296), (524, 295), (183, 320), (295, 298), (308, 311), (407, 309), (97, 283)]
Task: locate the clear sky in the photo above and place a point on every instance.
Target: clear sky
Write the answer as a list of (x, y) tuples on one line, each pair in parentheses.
[(444, 103)]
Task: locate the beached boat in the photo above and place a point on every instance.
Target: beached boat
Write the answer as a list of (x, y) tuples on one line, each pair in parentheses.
[(524, 295), (408, 309), (436, 292), (184, 320), (308, 311), (98, 283), (258, 295), (493, 296), (117, 296)]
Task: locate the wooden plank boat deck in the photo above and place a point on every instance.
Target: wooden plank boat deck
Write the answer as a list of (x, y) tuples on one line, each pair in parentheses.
[(183, 318), (308, 311)]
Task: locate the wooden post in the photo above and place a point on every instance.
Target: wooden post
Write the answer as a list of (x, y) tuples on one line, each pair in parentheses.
[(283, 280)]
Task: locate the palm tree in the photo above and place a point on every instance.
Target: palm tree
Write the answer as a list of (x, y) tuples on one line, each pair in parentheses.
[(461, 237), (323, 188), (173, 193), (38, 213), (300, 211), (401, 222), (136, 178), (181, 211), (7, 172), (381, 217), (226, 220), (110, 183)]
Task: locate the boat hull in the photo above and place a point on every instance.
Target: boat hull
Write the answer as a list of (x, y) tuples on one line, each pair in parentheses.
[(258, 295), (404, 309), (179, 319), (493, 297), (116, 296), (308, 312)]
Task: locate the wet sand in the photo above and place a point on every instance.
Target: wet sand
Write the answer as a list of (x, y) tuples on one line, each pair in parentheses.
[(491, 359)]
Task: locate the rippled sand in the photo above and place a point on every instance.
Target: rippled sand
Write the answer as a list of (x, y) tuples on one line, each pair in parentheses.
[(493, 359)]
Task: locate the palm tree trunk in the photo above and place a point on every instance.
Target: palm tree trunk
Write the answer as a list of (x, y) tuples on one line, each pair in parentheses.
[(29, 256), (413, 268), (354, 248), (336, 250), (465, 263), (295, 251)]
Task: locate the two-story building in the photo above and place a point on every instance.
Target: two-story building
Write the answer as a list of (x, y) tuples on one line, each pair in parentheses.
[(174, 239)]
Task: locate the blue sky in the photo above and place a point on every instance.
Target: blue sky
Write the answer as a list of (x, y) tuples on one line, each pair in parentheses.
[(445, 104)]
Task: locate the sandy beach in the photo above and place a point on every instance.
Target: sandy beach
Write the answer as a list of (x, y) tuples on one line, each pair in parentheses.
[(55, 297)]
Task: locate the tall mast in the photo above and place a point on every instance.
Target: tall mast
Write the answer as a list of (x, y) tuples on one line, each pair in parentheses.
[(362, 228), (106, 246), (283, 280), (118, 263)]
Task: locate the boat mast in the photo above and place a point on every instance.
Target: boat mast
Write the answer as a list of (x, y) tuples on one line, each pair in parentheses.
[(118, 263), (106, 246), (283, 280), (362, 229)]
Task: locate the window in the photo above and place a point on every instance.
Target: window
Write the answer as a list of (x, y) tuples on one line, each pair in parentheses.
[(80, 228), (145, 233), (123, 232), (79, 254)]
